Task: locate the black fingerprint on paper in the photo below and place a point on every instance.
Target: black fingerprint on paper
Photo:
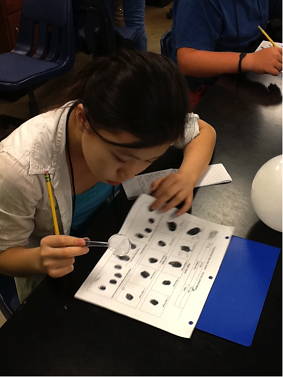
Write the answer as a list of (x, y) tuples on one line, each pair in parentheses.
[(172, 226), (193, 231), (175, 264), (154, 302), (129, 296), (139, 235), (124, 257), (153, 260), (185, 248), (145, 274), (161, 243)]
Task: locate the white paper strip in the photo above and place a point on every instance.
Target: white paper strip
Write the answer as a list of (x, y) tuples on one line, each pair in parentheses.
[(214, 174)]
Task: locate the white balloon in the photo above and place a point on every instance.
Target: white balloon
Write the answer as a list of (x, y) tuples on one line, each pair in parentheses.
[(266, 193)]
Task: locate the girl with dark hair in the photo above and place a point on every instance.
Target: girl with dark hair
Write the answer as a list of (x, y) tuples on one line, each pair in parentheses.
[(123, 112)]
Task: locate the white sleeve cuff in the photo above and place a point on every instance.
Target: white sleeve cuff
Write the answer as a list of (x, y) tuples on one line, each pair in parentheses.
[(191, 131)]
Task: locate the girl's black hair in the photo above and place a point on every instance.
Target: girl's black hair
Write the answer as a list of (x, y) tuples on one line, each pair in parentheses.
[(143, 93)]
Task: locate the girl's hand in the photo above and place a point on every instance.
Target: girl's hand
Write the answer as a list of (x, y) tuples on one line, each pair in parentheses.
[(178, 187), (57, 254), (172, 190)]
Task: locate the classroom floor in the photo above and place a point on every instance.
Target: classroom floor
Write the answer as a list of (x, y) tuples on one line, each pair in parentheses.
[(156, 23)]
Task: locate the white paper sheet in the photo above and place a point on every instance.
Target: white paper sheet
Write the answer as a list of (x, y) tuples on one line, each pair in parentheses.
[(214, 174), (165, 279), (267, 44)]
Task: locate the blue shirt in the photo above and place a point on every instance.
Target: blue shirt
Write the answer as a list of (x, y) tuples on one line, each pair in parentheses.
[(88, 202)]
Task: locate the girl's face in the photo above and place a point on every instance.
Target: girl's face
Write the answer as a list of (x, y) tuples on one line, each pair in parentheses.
[(112, 164)]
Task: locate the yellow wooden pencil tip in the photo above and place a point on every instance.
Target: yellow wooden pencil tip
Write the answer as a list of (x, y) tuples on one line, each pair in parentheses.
[(267, 36)]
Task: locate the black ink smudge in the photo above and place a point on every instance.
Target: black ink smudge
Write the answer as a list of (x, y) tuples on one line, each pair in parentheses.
[(139, 235), (161, 243), (193, 231), (118, 267), (172, 226), (118, 275), (185, 248), (175, 264), (154, 302), (124, 257), (166, 282), (102, 287), (148, 230), (133, 246), (113, 281), (129, 296), (151, 220), (153, 260), (145, 274)]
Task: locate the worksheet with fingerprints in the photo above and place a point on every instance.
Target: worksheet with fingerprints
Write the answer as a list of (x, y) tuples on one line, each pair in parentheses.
[(166, 277)]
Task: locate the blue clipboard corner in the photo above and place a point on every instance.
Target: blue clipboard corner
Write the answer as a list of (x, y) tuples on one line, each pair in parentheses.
[(233, 307)]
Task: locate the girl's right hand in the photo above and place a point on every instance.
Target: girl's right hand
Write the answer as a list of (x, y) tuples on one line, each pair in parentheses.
[(57, 254)]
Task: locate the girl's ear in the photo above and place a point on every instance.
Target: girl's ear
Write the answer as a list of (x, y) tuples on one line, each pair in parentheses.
[(81, 118)]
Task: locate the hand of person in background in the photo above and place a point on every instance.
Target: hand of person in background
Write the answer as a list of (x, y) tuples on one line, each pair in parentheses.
[(267, 60)]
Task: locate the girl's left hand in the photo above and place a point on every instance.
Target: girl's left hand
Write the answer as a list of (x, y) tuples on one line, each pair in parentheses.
[(171, 191)]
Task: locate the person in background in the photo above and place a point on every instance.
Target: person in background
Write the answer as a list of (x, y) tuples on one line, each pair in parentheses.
[(133, 11), (122, 113), (212, 37)]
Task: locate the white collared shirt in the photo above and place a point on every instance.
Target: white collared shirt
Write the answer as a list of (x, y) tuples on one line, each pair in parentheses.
[(25, 214)]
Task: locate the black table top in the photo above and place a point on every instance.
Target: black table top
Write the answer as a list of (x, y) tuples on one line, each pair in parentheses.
[(53, 333), (247, 116)]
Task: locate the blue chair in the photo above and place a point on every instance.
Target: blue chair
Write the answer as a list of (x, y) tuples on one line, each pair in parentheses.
[(166, 44), (9, 300), (95, 31), (45, 50)]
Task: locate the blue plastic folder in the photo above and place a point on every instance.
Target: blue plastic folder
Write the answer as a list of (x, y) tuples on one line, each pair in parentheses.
[(235, 302)]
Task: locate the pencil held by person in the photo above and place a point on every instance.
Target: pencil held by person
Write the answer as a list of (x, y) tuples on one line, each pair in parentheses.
[(267, 36), (52, 205)]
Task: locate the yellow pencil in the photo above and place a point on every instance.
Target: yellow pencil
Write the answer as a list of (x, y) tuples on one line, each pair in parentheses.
[(267, 36), (49, 189)]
